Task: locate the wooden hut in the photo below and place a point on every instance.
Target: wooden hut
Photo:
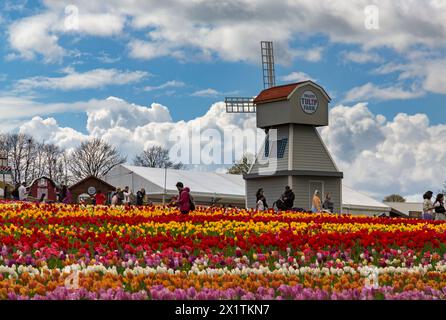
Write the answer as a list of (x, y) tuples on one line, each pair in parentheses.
[(87, 188)]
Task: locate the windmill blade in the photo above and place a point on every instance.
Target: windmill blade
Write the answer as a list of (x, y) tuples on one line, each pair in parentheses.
[(269, 73), (240, 105)]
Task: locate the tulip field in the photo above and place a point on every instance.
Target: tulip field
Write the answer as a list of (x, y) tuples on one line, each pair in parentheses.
[(55, 251)]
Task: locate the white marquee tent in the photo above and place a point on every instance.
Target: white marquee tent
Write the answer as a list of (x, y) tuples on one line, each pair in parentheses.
[(207, 187)]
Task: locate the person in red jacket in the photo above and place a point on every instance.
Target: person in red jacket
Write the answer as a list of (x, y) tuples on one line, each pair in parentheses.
[(184, 201), (100, 198)]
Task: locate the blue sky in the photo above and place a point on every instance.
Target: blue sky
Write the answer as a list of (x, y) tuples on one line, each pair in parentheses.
[(188, 56)]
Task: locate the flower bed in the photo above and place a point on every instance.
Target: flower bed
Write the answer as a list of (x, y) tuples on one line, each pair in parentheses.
[(73, 252)]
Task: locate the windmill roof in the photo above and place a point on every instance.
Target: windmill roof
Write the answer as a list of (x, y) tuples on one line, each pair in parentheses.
[(283, 92)]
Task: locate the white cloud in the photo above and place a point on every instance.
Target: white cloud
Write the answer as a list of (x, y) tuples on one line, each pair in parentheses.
[(381, 156), (49, 131), (206, 93), (97, 78), (232, 30), (311, 55), (370, 91), (114, 112), (296, 76), (361, 57), (32, 35), (168, 84)]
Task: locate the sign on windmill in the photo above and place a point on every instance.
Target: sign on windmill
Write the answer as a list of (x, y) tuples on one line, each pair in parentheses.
[(246, 104)]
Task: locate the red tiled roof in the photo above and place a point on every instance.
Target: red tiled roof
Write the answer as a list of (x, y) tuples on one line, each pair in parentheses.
[(281, 92), (276, 93)]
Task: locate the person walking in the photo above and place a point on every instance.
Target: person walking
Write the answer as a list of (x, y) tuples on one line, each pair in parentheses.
[(184, 200), (99, 198), (261, 204), (140, 195), (428, 206), (66, 195), (316, 203), (328, 204), (23, 194), (440, 211)]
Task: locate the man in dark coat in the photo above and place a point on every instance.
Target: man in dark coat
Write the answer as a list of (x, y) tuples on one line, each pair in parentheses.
[(288, 198)]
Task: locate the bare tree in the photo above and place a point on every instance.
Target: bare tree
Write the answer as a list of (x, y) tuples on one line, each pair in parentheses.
[(242, 166), (156, 157), (94, 157), (19, 155)]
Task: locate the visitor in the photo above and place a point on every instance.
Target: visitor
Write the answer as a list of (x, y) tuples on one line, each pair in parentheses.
[(66, 195), (328, 205), (42, 198), (126, 193), (22, 192), (15, 192), (140, 195), (288, 198), (99, 198), (115, 197), (6, 193), (439, 207), (184, 199), (120, 194), (428, 206), (261, 204), (316, 203)]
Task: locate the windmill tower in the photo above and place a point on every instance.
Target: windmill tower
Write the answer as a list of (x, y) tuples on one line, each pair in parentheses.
[(293, 153)]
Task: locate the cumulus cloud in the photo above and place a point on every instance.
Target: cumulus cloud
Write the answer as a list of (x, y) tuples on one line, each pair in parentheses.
[(114, 112), (370, 91), (133, 128), (97, 78), (380, 156), (49, 131)]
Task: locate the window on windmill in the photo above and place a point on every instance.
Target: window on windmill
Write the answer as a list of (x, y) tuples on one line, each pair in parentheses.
[(281, 146), (267, 147)]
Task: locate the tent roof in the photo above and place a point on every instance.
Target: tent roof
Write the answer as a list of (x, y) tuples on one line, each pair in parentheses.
[(353, 198), (198, 181), (406, 207)]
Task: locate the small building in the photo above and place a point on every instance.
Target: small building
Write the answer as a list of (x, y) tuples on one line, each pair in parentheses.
[(406, 209), (43, 186), (86, 188)]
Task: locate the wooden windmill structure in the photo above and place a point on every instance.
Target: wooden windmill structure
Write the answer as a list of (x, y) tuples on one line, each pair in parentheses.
[(295, 154)]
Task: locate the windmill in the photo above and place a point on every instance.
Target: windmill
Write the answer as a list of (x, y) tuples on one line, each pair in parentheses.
[(293, 153), (246, 104)]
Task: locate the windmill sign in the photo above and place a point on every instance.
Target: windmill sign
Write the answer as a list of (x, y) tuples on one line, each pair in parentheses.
[(309, 102)]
